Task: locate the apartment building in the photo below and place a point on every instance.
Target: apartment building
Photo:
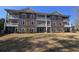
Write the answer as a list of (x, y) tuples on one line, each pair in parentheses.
[(28, 20)]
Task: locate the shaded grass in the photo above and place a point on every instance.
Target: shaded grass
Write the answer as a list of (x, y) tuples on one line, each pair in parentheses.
[(54, 44), (14, 44), (2, 35)]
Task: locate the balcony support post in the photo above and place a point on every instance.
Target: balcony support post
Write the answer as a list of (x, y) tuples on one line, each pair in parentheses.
[(46, 22)]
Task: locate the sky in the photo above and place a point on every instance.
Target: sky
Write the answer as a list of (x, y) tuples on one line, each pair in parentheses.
[(66, 10)]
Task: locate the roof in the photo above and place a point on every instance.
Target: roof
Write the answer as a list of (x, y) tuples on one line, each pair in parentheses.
[(56, 13), (18, 11), (29, 10)]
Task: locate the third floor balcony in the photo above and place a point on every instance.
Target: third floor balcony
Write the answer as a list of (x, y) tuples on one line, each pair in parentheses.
[(13, 17)]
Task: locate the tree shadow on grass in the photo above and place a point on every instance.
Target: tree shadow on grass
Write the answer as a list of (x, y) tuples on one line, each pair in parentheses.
[(67, 46), (24, 44), (19, 45), (14, 45)]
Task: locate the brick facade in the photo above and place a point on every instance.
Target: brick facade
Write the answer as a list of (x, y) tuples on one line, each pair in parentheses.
[(30, 24)]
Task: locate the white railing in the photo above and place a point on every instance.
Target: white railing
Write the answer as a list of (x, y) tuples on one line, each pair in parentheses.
[(49, 25), (12, 24), (12, 17), (43, 25), (65, 20), (48, 19), (67, 25), (43, 19)]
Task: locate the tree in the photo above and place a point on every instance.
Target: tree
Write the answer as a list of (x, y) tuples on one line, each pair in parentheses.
[(77, 19), (1, 24)]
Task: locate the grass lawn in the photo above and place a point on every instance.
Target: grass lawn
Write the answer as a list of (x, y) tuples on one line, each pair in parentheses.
[(2, 35), (40, 42)]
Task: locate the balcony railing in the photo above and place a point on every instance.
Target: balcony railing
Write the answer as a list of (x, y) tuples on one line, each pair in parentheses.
[(49, 25), (12, 17), (43, 25), (65, 20), (67, 25), (43, 19), (12, 24)]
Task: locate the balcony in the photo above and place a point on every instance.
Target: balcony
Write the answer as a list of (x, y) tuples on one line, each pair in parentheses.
[(12, 24), (65, 20), (67, 25), (48, 25), (43, 19), (48, 19), (13, 17), (43, 24)]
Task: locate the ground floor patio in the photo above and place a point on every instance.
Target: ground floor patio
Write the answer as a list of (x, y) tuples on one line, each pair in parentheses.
[(10, 29), (38, 30)]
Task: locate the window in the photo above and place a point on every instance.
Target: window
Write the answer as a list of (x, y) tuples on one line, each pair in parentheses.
[(54, 24), (53, 29), (23, 16), (28, 15), (31, 30), (53, 17), (59, 17), (48, 22), (33, 16), (32, 22), (60, 24), (40, 22), (56, 17), (48, 17), (23, 30), (60, 30), (23, 22), (41, 16), (16, 30)]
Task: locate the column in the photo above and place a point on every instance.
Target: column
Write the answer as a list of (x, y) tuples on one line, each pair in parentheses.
[(46, 22)]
